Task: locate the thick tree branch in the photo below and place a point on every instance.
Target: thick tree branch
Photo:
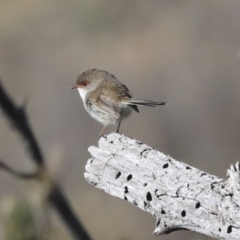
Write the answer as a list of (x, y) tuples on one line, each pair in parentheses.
[(177, 195), (18, 118)]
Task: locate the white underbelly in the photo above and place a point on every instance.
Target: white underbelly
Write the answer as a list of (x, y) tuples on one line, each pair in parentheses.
[(82, 92)]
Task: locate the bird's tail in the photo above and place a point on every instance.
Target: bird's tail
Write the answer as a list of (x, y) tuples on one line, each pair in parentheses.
[(142, 102)]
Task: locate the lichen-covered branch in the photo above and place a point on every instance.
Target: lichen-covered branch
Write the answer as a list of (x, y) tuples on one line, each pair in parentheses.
[(177, 195)]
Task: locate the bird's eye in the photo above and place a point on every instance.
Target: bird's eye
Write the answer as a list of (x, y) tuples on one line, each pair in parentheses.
[(85, 83)]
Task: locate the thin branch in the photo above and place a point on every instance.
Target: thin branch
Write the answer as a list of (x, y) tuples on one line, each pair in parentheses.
[(18, 118), (22, 175), (64, 208)]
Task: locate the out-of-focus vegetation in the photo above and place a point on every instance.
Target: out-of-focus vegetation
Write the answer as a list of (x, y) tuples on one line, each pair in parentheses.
[(184, 52)]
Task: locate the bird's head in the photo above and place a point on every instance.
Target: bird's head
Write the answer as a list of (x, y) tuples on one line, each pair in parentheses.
[(89, 80)]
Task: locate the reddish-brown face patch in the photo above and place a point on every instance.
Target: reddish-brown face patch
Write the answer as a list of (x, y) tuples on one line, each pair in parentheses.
[(83, 83)]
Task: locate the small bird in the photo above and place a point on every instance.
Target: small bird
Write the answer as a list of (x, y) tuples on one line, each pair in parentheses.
[(107, 99)]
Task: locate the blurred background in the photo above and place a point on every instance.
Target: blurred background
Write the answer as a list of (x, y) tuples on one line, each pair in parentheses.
[(184, 52)]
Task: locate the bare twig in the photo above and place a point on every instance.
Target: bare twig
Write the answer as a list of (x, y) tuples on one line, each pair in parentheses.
[(18, 118), (23, 175)]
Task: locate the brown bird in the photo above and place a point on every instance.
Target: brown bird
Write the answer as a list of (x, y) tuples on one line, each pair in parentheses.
[(107, 99)]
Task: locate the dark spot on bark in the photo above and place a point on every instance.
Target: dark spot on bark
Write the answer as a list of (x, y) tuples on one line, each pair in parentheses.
[(229, 229), (129, 177), (188, 168), (118, 175), (142, 152), (145, 204), (135, 203), (111, 142), (219, 229), (165, 165), (183, 213), (158, 222), (202, 174), (149, 196), (145, 184), (188, 185), (125, 190), (198, 205), (163, 212), (125, 198)]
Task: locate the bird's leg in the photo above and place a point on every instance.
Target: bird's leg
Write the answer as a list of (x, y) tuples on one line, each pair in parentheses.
[(101, 133), (119, 124)]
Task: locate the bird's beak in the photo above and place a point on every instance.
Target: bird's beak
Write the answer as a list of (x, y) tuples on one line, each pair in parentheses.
[(73, 87)]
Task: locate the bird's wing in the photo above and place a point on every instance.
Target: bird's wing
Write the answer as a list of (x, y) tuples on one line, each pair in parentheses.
[(105, 105)]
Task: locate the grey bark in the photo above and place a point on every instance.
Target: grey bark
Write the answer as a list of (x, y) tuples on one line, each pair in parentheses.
[(179, 196)]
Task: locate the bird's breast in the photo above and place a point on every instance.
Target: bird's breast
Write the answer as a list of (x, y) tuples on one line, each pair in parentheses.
[(82, 92)]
